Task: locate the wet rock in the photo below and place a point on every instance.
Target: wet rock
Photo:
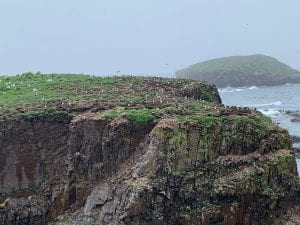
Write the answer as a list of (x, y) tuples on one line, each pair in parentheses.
[(295, 139), (295, 115)]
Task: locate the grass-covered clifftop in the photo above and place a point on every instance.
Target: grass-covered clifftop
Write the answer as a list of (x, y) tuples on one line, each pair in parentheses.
[(241, 71), (43, 94)]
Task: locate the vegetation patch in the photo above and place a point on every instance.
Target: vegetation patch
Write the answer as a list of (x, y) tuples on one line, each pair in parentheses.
[(32, 92), (112, 114), (269, 191), (138, 116), (260, 123), (47, 113), (285, 161)]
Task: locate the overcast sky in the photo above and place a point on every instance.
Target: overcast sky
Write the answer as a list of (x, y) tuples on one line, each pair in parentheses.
[(142, 36)]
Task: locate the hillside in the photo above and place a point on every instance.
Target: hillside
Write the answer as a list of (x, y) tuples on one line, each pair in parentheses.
[(83, 150), (237, 71)]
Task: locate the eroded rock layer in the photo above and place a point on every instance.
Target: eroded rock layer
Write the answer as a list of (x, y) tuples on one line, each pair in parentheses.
[(190, 161)]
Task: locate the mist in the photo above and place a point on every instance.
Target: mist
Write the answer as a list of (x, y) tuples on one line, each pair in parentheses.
[(142, 37)]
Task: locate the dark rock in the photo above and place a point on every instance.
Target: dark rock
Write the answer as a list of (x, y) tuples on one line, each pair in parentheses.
[(208, 164), (295, 139)]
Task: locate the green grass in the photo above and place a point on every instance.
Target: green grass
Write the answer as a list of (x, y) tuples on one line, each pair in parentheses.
[(46, 113), (285, 161), (268, 191), (204, 116), (140, 116), (200, 119), (137, 116), (34, 92), (32, 88), (264, 119)]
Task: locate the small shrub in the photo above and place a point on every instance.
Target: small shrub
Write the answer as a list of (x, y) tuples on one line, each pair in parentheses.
[(140, 116), (268, 191)]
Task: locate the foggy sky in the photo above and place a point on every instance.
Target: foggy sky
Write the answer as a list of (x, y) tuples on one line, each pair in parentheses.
[(142, 36)]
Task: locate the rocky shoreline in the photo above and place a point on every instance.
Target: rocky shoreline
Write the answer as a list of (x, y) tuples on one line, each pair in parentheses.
[(295, 116)]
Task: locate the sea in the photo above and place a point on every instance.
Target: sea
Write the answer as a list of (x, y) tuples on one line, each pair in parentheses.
[(281, 103)]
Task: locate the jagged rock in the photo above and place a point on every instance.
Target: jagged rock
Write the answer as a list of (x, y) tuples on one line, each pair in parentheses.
[(196, 162)]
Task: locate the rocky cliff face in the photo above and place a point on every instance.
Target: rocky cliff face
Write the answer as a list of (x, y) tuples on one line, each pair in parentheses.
[(188, 162)]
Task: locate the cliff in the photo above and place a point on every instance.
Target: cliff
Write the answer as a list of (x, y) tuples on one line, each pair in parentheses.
[(238, 71), (129, 150)]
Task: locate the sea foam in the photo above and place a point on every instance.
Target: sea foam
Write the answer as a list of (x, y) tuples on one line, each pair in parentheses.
[(230, 89), (265, 104)]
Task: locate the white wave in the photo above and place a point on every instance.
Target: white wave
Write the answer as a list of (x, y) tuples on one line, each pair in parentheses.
[(230, 89), (269, 112), (265, 104), (298, 164), (253, 88), (296, 145)]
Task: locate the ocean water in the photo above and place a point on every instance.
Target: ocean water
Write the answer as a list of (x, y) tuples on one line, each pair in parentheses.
[(275, 101)]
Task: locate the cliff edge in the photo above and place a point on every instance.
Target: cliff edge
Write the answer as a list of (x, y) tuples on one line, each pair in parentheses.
[(128, 150)]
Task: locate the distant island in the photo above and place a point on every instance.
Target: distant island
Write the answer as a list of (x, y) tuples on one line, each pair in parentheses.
[(237, 71)]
